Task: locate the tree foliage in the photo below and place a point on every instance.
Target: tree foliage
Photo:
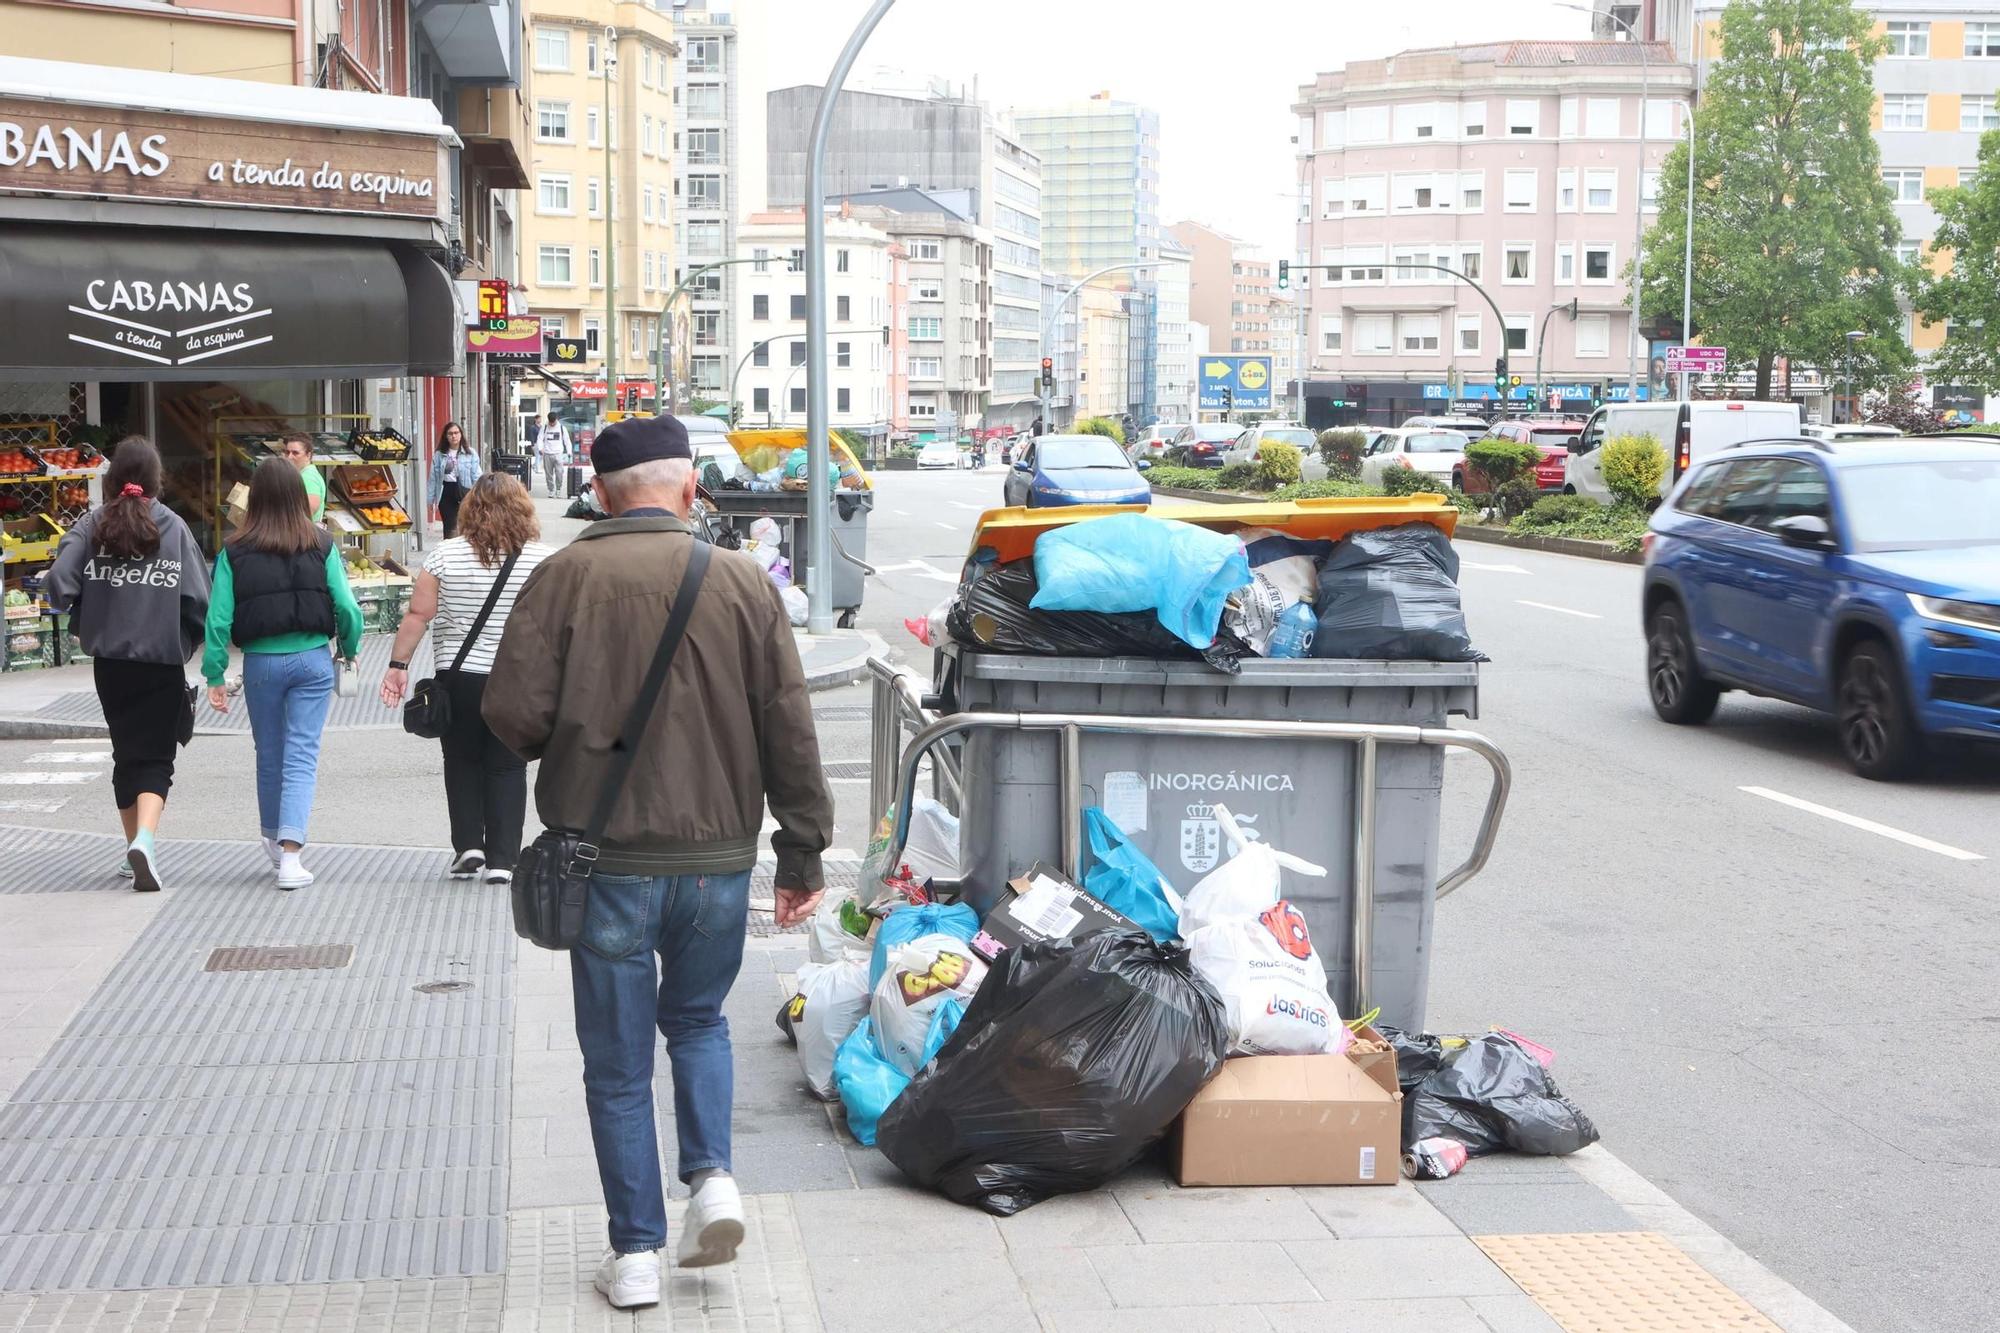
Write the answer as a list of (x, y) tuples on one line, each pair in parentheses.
[(1794, 231), (1634, 466), (1903, 407), (1104, 426), (1277, 465), (1967, 294), (1340, 449)]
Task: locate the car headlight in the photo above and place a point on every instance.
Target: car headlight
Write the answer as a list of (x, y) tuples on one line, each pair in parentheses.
[(1043, 488), (1976, 614)]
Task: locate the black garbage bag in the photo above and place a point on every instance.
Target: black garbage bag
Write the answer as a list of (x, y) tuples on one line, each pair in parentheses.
[(1074, 1058), (1492, 1096), (1393, 593), (991, 611), (1418, 1055)]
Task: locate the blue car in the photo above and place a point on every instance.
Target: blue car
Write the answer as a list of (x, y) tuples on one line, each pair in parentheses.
[(1860, 578), (1075, 470)]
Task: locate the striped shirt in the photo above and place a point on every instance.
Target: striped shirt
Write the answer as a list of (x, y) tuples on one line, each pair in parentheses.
[(463, 586)]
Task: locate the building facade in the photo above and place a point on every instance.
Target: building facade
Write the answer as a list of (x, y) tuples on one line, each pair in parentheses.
[(1176, 345), (1517, 164), (1280, 338), (1104, 341), (868, 317), (922, 135), (602, 87), (1100, 206)]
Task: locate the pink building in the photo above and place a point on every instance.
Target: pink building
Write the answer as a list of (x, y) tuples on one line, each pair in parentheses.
[(1517, 164)]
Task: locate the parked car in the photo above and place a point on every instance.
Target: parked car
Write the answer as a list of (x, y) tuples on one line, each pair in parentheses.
[(1850, 431), (938, 453), (1472, 427), (1201, 444), (1551, 439), (1858, 578), (1075, 470), (1688, 431), (1151, 444), (1244, 448), (1440, 453)]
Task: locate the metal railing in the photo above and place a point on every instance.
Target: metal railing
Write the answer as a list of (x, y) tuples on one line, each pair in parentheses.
[(898, 709), (904, 689)]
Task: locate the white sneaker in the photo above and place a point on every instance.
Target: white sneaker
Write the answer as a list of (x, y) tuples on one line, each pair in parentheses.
[(292, 872), (499, 877), (713, 1226), (629, 1281), (468, 864), (124, 870), (273, 850)]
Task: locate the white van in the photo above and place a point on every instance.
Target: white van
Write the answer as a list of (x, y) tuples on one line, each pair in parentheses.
[(1686, 430)]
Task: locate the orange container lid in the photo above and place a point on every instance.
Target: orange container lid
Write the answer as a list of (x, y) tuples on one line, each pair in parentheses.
[(1011, 533)]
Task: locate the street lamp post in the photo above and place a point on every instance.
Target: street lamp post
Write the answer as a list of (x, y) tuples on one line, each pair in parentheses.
[(819, 532), (1687, 252), (1638, 204), (610, 227), (741, 361), (1049, 324), (669, 403), (1568, 307), (1853, 336)]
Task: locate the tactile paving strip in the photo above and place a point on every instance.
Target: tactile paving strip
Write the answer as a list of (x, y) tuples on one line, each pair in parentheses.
[(195, 1129), (363, 710), (1621, 1282), (464, 1305)]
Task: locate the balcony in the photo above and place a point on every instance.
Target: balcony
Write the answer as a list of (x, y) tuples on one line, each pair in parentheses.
[(493, 122), (478, 41)]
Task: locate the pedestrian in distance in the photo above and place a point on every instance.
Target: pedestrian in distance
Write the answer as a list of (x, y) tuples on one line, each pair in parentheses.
[(280, 594), (485, 783), (552, 446), (136, 587), (299, 453), (454, 469), (731, 728)]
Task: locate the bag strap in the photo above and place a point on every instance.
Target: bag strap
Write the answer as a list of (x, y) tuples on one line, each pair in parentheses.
[(479, 621), (626, 751)]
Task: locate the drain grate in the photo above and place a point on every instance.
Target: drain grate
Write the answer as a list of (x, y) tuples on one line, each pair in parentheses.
[(442, 987), (844, 713), (279, 957), (846, 768)]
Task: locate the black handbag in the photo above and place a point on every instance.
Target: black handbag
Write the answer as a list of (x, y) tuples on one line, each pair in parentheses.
[(184, 728), (427, 712), (552, 878)]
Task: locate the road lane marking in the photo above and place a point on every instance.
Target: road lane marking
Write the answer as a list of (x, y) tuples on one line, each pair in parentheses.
[(948, 527), (1493, 569), (1866, 825), (900, 513), (960, 504), (45, 779), (920, 567), (71, 757), (1560, 610), (31, 807), (81, 740)]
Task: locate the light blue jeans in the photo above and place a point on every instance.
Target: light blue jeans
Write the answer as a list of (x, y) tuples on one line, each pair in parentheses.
[(287, 695), (656, 954)]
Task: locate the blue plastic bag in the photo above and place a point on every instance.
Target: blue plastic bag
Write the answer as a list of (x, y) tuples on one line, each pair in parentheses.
[(1134, 562), (908, 923), (868, 1082), (1125, 879)]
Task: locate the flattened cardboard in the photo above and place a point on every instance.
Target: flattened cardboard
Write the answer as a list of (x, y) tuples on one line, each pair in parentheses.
[(1295, 1120), (1041, 905)]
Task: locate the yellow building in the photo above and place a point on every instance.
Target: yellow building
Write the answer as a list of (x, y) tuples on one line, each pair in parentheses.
[(1104, 338), (587, 159)]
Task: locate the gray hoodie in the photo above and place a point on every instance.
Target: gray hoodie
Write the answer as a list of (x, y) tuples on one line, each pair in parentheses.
[(149, 610)]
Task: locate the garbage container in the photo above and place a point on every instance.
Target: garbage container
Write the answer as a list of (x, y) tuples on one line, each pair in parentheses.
[(1299, 795), (742, 509), (517, 466)]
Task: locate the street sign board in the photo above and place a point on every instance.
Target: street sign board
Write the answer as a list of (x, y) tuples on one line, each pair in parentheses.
[(562, 351), (1247, 379), (1697, 360)]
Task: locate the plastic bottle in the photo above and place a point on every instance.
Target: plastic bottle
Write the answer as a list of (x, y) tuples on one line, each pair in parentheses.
[(1293, 635)]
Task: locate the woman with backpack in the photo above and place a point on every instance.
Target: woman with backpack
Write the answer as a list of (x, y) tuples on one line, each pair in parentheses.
[(280, 594), (136, 588)]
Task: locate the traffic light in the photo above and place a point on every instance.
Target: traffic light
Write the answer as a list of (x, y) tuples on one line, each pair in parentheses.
[(1500, 375), (1284, 274), (1048, 372), (1228, 400)]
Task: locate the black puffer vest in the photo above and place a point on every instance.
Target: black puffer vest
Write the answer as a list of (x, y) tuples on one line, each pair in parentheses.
[(281, 594)]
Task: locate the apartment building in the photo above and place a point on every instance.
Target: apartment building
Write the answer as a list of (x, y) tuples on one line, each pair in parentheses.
[(894, 132), (1229, 285), (602, 86), (1104, 343), (869, 325), (1517, 164), (1176, 344), (718, 165), (1100, 206), (1281, 341)]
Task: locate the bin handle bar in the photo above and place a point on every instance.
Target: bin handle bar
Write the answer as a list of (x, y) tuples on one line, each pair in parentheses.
[(1222, 728)]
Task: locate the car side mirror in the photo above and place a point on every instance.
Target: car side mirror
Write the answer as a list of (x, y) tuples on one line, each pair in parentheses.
[(1808, 531), (1022, 466), (1145, 465)]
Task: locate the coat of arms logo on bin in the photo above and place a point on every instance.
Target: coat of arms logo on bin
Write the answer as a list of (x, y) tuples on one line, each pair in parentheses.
[(1201, 837)]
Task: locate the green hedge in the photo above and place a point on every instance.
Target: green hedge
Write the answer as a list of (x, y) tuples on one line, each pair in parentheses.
[(1578, 516), (1313, 490), (1277, 465), (1183, 478)]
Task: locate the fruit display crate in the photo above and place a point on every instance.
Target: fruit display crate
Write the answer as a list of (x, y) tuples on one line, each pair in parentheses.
[(31, 644), (29, 539)]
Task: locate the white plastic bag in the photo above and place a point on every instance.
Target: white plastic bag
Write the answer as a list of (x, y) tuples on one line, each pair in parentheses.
[(1272, 984), (831, 1002), (796, 606), (921, 976), (828, 940), (1244, 885), (931, 851), (1282, 574)]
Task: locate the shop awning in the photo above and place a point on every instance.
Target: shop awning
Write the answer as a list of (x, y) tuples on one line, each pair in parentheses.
[(113, 303)]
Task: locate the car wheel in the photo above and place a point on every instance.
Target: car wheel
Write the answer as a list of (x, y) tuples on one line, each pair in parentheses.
[(1457, 480), (1680, 693), (1568, 489), (1877, 732)]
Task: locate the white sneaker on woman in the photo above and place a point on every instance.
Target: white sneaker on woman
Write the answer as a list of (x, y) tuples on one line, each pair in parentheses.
[(273, 850), (629, 1281), (468, 864), (713, 1226), (292, 872)]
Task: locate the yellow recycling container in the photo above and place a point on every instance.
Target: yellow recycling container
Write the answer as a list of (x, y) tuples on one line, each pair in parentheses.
[(1011, 533)]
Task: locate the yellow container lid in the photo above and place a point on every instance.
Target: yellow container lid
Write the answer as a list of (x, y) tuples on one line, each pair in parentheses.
[(1011, 533), (762, 450)]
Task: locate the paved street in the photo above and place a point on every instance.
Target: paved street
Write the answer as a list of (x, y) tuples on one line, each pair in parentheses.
[(1732, 983)]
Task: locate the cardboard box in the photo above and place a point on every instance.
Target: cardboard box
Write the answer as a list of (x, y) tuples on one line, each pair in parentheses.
[(1043, 904), (1295, 1120)]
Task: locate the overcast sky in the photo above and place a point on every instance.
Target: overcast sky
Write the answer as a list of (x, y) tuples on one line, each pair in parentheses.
[(1222, 76)]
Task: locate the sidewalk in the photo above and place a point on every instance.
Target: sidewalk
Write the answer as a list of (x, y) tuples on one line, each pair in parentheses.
[(380, 1126)]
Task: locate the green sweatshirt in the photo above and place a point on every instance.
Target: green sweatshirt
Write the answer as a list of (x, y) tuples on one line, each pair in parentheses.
[(315, 481), (222, 617)]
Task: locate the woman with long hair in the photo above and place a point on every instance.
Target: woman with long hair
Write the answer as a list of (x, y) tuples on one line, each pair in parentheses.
[(280, 594), (485, 783), (136, 587), (454, 472)]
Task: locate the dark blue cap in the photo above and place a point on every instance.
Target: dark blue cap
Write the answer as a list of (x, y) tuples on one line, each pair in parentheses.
[(637, 440)]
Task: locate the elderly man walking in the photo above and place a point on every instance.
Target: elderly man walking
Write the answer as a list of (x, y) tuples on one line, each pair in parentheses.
[(732, 727)]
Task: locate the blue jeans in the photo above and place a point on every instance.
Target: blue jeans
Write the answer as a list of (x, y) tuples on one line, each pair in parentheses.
[(695, 923), (287, 695)]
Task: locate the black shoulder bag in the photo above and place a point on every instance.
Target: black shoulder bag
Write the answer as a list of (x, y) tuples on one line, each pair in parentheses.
[(427, 712), (552, 878)]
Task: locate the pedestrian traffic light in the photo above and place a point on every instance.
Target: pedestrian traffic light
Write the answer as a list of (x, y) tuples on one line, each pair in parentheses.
[(1048, 372), (1284, 274)]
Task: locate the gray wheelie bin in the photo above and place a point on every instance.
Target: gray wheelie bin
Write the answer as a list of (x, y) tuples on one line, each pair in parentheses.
[(1339, 762)]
